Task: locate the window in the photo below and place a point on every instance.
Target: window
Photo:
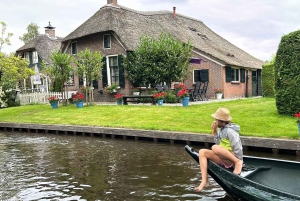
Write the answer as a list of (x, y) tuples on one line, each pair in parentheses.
[(106, 41), (235, 74), (74, 48), (114, 70), (26, 56), (70, 81), (35, 57), (201, 75)]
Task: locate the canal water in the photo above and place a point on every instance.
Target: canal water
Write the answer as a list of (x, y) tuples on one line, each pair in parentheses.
[(63, 167)]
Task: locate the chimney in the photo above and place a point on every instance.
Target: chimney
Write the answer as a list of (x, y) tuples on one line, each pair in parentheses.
[(113, 2), (50, 31), (174, 12)]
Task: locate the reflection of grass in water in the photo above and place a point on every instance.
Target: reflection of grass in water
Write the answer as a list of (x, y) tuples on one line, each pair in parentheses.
[(256, 116)]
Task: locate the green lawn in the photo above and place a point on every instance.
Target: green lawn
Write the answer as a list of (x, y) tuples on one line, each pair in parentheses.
[(257, 117)]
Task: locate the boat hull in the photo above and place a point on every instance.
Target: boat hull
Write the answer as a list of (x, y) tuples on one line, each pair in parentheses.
[(260, 178)]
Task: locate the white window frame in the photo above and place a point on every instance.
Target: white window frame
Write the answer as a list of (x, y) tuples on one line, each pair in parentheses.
[(35, 58), (74, 42), (108, 68), (109, 41), (234, 73)]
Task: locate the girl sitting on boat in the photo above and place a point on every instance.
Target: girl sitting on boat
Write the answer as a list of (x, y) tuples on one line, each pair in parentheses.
[(227, 151)]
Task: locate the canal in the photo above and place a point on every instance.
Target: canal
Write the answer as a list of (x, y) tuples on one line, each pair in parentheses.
[(63, 167)]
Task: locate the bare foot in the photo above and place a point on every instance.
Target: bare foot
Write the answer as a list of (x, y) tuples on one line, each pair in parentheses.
[(238, 167), (204, 184)]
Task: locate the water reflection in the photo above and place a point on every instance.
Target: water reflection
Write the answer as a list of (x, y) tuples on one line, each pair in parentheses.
[(52, 167)]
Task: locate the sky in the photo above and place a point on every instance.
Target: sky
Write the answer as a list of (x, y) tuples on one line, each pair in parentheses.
[(255, 26)]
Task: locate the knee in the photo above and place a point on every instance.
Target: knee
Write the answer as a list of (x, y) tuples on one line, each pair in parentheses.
[(215, 148), (202, 152)]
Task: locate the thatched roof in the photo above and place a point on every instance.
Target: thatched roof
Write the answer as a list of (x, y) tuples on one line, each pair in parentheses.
[(43, 44), (129, 25)]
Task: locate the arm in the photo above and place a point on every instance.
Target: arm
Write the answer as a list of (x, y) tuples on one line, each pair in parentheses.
[(214, 127)]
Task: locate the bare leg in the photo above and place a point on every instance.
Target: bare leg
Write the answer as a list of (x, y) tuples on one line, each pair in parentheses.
[(205, 154), (228, 158)]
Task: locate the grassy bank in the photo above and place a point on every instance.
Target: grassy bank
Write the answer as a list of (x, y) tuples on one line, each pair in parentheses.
[(257, 117)]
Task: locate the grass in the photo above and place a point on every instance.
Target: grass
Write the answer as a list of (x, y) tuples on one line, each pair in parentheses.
[(257, 117)]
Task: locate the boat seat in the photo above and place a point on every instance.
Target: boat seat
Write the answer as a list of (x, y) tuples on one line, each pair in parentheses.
[(249, 171)]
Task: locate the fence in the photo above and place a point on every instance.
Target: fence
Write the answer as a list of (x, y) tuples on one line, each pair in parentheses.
[(42, 98)]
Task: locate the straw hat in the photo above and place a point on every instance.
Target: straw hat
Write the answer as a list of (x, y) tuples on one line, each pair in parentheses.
[(222, 114)]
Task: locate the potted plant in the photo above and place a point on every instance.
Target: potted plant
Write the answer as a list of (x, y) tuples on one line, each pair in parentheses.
[(53, 100), (112, 88), (119, 98), (184, 95), (219, 93), (136, 90), (298, 121), (78, 99), (159, 97)]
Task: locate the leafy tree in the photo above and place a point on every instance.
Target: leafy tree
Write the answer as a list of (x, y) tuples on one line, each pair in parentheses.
[(158, 60), (60, 69), (287, 76), (32, 32), (4, 40), (13, 70), (89, 66)]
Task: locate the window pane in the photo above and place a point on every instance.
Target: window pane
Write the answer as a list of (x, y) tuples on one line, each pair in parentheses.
[(106, 41), (74, 48), (114, 70)]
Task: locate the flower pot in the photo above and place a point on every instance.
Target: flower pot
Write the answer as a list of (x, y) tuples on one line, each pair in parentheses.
[(119, 102), (219, 95), (185, 101), (299, 128), (79, 104), (54, 105), (160, 102)]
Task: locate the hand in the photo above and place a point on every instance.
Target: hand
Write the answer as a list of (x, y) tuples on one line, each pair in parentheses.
[(214, 125)]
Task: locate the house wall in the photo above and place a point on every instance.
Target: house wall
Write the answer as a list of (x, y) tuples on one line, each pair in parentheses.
[(95, 42)]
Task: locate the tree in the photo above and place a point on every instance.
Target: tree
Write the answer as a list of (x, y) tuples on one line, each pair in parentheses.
[(60, 69), (89, 66), (4, 40), (13, 70), (158, 60), (287, 76), (32, 32)]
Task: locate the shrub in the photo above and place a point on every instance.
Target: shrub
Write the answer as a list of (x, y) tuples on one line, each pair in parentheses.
[(171, 97), (287, 78)]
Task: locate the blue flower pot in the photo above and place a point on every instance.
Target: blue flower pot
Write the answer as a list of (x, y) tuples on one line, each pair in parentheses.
[(79, 104), (119, 102), (185, 101), (299, 128), (54, 105), (160, 102)]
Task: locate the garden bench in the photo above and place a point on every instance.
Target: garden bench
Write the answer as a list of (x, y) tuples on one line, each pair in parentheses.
[(135, 98)]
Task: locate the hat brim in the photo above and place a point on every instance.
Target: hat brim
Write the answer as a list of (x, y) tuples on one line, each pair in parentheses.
[(216, 117)]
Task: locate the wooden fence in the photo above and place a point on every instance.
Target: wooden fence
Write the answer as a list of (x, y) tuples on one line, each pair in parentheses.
[(42, 98)]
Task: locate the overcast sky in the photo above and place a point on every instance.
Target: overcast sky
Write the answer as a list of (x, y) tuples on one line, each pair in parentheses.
[(256, 26)]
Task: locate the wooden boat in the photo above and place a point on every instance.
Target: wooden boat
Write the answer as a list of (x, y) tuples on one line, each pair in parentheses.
[(260, 179)]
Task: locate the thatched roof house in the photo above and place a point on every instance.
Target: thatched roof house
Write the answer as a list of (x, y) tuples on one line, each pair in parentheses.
[(223, 65), (43, 44), (129, 25)]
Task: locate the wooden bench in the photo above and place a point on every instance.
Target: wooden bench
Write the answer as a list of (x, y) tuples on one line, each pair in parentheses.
[(136, 98)]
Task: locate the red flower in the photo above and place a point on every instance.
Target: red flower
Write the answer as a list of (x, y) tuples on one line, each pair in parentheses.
[(118, 97), (298, 117), (183, 93), (159, 96), (53, 99), (218, 91), (78, 97)]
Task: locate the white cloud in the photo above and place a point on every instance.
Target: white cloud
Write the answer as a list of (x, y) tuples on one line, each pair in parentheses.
[(255, 26)]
